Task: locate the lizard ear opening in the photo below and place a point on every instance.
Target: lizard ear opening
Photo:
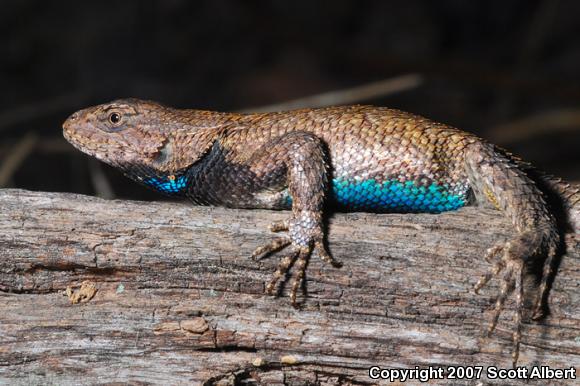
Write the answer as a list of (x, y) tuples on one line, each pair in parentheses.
[(182, 149)]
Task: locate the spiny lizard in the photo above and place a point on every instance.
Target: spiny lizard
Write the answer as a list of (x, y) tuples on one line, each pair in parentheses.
[(357, 158)]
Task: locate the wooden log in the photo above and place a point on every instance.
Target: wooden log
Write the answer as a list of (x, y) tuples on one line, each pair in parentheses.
[(178, 301)]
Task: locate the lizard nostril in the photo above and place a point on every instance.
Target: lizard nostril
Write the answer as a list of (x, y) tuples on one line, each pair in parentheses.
[(71, 120)]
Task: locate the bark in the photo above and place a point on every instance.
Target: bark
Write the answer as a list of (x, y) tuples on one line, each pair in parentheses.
[(178, 301)]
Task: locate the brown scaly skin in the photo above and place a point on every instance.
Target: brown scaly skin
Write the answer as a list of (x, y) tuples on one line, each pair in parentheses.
[(357, 158)]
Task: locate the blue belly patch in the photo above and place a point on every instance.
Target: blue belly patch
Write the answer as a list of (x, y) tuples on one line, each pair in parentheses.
[(168, 185), (396, 196)]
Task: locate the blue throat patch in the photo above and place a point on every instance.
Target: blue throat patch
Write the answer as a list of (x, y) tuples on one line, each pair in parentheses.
[(168, 184)]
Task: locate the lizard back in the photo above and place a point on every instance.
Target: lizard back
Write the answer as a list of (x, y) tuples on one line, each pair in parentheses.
[(380, 159)]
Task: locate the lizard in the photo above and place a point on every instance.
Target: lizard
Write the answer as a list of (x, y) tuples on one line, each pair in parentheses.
[(355, 158)]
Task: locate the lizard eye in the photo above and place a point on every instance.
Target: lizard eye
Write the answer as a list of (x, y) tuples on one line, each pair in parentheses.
[(115, 118)]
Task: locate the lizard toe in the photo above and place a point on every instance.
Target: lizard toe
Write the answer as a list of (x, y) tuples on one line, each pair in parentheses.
[(279, 226), (283, 268), (512, 264), (272, 246)]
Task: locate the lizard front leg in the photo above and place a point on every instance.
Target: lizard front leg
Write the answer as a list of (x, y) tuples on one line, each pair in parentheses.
[(303, 157), (497, 178)]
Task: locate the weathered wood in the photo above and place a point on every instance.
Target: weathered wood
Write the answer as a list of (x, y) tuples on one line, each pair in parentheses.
[(178, 300)]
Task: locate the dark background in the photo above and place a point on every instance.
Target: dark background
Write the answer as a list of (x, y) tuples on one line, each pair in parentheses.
[(506, 70)]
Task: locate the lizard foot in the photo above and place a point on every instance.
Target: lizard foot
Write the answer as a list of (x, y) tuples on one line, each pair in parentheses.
[(298, 254), (513, 267)]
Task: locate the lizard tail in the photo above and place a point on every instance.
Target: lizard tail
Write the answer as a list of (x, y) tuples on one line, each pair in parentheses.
[(562, 197)]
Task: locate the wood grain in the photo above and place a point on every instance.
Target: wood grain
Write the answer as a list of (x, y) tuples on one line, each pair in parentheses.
[(178, 300)]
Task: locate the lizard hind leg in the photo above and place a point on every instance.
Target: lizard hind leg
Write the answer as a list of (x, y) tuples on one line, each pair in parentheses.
[(497, 178)]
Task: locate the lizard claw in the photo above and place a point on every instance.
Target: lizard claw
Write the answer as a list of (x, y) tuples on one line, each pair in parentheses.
[(325, 256)]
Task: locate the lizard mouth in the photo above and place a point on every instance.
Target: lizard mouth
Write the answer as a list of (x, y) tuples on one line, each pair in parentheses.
[(79, 141), (71, 132)]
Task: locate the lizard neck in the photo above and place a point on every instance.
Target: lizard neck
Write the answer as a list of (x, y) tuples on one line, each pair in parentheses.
[(185, 138), (188, 138)]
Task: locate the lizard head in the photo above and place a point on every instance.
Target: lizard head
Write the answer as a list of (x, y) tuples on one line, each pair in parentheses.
[(144, 139)]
